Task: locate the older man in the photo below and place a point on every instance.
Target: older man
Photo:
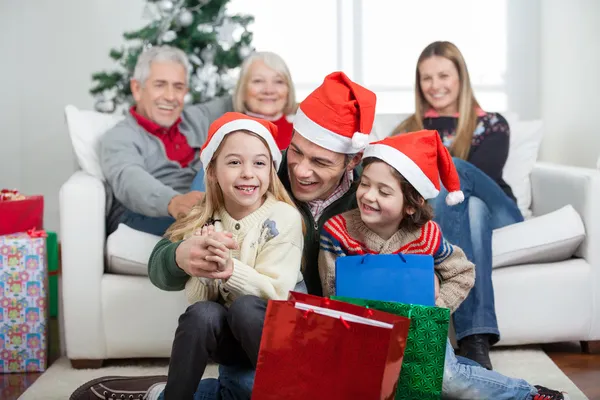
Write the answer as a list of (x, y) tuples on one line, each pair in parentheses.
[(330, 131), (151, 157)]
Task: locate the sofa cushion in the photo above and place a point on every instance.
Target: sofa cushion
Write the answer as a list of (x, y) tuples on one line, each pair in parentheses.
[(548, 238), (525, 141), (128, 251), (85, 129)]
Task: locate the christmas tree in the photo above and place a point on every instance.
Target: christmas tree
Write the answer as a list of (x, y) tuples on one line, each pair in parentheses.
[(216, 44)]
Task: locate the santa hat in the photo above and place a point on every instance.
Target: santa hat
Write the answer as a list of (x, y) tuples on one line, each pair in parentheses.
[(421, 158), (338, 115), (233, 122)]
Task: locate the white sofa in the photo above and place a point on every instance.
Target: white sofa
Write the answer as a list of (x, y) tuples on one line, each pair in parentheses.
[(111, 310)]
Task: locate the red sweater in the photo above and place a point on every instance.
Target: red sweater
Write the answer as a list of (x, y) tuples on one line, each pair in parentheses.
[(284, 132)]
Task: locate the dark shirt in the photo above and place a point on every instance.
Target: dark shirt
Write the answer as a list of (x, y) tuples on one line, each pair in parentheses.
[(489, 147)]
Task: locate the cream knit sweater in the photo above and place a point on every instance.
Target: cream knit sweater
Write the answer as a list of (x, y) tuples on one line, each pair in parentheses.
[(267, 262)]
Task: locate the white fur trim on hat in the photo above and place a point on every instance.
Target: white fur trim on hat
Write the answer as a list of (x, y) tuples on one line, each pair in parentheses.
[(237, 125), (325, 138), (405, 166), (454, 198)]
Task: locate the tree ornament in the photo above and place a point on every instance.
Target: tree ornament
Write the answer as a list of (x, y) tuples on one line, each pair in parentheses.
[(165, 5), (185, 18), (169, 36)]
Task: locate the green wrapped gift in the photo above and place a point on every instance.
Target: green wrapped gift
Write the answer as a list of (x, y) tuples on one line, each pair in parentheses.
[(53, 272), (423, 365)]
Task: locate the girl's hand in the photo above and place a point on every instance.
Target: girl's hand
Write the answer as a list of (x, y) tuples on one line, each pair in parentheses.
[(437, 286), (223, 260)]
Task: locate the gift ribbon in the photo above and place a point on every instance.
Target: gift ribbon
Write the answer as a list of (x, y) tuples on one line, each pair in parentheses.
[(34, 233)]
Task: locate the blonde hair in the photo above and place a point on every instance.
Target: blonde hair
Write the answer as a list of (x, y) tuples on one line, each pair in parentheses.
[(467, 104), (213, 200), (276, 63)]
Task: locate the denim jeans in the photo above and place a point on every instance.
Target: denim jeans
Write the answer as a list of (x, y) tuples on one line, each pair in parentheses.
[(469, 225), (198, 182), (157, 225), (465, 379)]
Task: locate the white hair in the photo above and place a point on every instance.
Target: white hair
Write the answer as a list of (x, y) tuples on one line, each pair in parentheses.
[(276, 63), (160, 54)]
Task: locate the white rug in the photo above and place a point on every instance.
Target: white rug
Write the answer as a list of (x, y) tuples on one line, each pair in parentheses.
[(60, 380)]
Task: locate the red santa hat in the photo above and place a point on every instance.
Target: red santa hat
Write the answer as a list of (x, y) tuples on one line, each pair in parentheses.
[(421, 158), (233, 122), (338, 115)]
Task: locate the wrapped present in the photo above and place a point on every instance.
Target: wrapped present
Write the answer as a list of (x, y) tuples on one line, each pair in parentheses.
[(344, 351), (403, 278), (423, 366), (19, 213), (23, 304)]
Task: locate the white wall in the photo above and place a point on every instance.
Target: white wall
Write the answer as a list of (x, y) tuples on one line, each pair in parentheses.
[(49, 51), (570, 81)]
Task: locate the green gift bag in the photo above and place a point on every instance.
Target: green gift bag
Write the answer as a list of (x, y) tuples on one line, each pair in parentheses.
[(423, 366)]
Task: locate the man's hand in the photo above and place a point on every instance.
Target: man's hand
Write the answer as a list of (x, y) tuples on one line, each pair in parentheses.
[(195, 255), (182, 204)]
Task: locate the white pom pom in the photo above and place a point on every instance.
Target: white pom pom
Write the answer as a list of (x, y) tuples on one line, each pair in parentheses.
[(360, 140), (455, 198)]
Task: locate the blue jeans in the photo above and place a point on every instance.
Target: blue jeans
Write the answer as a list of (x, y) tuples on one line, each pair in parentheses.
[(158, 225), (469, 225), (465, 379)]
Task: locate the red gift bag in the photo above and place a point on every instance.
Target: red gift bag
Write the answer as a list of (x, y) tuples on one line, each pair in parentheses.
[(19, 213), (315, 348)]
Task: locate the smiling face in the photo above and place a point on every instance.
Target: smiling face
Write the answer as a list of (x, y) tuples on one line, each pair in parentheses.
[(314, 171), (440, 84), (266, 91), (160, 97), (380, 199), (242, 170)]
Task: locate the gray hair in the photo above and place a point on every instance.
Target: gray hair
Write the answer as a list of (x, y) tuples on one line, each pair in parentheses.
[(276, 63), (160, 54)]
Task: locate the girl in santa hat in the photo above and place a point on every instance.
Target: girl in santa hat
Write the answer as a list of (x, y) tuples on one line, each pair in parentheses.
[(400, 173), (244, 201)]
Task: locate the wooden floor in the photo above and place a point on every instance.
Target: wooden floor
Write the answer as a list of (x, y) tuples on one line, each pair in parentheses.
[(582, 369)]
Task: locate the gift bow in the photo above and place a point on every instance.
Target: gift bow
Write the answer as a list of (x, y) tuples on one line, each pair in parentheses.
[(34, 233), (10, 194)]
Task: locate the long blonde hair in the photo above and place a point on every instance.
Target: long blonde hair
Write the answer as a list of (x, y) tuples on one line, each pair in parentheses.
[(467, 104), (276, 63), (213, 200)]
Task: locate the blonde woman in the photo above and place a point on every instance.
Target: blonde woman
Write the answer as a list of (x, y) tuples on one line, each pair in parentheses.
[(265, 90), (479, 142)]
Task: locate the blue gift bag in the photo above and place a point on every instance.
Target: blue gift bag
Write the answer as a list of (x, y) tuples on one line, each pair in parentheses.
[(402, 278)]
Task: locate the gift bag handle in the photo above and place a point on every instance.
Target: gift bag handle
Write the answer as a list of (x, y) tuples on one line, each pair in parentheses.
[(362, 261)]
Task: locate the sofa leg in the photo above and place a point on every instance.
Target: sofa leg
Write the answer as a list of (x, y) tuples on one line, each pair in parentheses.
[(86, 364), (591, 346)]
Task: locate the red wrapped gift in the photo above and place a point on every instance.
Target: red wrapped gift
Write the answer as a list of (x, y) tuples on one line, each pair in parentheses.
[(316, 348), (19, 213)]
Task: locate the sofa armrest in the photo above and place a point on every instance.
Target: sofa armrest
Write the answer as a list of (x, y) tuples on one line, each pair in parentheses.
[(554, 186), (82, 204)]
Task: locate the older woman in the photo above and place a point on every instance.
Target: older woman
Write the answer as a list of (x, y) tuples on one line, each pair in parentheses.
[(265, 90), (479, 142)]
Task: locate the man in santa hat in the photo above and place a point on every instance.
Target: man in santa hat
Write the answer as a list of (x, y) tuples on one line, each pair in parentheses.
[(331, 128)]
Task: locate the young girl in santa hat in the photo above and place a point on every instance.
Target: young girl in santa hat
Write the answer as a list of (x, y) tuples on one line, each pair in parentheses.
[(399, 174), (245, 201)]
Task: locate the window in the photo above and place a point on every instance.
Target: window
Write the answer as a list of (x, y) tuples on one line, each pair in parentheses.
[(377, 42)]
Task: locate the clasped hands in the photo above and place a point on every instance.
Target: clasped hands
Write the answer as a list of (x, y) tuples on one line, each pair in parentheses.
[(206, 254)]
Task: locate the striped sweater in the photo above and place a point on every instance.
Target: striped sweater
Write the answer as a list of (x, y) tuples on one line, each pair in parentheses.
[(347, 235)]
